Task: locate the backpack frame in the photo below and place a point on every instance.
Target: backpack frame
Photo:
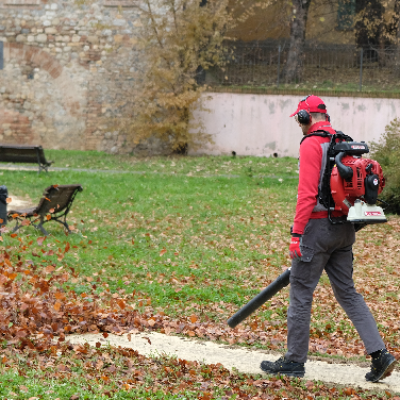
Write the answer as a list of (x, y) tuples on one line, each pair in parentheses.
[(324, 193)]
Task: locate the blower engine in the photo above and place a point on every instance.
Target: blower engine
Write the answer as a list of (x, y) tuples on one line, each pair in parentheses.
[(356, 183)]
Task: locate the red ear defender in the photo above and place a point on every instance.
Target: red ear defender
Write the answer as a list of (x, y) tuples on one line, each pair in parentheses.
[(304, 117)]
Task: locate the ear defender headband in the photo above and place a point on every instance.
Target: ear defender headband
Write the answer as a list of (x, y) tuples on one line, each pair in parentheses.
[(303, 116)]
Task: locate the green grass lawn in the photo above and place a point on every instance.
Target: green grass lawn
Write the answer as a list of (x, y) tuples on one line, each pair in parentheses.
[(191, 238), (203, 227), (205, 166)]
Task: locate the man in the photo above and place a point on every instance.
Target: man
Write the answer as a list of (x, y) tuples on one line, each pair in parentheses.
[(317, 245)]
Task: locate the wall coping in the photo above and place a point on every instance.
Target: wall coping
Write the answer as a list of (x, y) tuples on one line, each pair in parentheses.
[(301, 92)]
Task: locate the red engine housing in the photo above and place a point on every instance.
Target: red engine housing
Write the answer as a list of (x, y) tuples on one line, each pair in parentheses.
[(345, 192)]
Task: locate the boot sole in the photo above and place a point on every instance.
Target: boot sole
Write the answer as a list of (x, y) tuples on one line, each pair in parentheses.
[(288, 373), (387, 372), (389, 369), (294, 374)]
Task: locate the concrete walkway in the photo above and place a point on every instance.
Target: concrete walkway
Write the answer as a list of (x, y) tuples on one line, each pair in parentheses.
[(244, 360)]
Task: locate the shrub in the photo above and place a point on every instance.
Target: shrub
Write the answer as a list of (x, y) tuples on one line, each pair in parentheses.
[(387, 153), (179, 40), (178, 37)]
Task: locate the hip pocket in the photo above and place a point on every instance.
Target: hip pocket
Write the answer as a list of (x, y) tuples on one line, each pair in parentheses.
[(307, 254)]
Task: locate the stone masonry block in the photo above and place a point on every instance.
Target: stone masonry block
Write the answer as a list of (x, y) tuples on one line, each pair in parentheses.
[(41, 38)]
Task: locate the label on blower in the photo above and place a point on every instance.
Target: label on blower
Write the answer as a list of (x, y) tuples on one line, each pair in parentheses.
[(372, 213)]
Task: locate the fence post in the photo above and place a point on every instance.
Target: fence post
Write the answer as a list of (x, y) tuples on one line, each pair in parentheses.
[(279, 65), (361, 65)]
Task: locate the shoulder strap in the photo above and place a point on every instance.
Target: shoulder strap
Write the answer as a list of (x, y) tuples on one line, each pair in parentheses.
[(324, 192), (320, 133)]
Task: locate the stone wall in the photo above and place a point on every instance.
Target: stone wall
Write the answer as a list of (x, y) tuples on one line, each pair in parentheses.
[(66, 68)]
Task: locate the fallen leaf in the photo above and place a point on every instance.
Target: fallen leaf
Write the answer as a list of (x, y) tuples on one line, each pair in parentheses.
[(148, 339), (49, 269), (193, 319)]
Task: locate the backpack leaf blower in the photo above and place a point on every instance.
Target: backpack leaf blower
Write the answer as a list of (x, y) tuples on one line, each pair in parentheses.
[(354, 186)]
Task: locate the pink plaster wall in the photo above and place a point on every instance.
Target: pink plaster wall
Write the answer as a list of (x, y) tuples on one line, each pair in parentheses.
[(260, 125)]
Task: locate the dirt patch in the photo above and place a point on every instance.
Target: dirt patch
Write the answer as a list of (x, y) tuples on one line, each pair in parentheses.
[(18, 203)]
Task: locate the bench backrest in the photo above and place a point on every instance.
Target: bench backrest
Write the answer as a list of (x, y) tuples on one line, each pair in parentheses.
[(57, 198), (22, 154)]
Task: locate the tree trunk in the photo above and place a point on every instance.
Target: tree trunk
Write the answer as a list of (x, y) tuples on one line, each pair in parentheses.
[(293, 68)]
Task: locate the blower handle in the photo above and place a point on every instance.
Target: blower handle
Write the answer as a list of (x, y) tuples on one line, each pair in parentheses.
[(273, 288), (345, 172)]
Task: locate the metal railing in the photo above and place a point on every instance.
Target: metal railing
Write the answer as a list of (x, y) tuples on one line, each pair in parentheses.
[(263, 65)]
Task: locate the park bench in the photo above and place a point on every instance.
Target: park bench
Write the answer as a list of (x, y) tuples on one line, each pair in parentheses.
[(53, 206), (24, 154)]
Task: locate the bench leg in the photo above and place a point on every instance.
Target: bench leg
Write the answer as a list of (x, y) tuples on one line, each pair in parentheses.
[(16, 227), (17, 224), (40, 227), (42, 221), (43, 167), (62, 223)]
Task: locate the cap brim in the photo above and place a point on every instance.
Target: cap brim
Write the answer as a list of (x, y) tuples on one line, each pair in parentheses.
[(292, 115)]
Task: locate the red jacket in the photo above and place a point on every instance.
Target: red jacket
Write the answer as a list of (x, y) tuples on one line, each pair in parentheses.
[(313, 156)]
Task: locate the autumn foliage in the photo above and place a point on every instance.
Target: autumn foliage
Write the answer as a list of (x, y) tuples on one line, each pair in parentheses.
[(126, 270), (39, 308), (178, 39), (387, 153)]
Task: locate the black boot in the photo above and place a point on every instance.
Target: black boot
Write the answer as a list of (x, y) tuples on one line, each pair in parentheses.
[(381, 367), (283, 367)]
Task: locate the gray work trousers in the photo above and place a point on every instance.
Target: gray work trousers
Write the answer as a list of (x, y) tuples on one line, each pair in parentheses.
[(326, 246)]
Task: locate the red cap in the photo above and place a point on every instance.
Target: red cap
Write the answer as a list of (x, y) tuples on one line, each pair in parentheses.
[(312, 104)]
